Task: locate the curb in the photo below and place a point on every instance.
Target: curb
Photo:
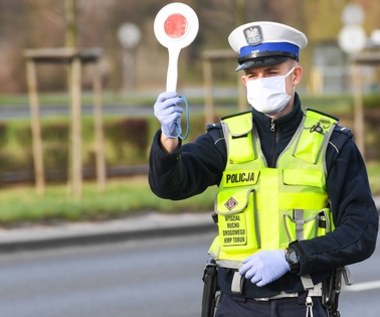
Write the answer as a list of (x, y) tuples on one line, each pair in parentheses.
[(133, 228)]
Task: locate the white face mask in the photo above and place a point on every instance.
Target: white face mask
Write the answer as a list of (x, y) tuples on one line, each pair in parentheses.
[(268, 95)]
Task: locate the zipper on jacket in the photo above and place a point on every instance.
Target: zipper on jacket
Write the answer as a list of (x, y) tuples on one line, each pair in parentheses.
[(275, 142), (272, 126)]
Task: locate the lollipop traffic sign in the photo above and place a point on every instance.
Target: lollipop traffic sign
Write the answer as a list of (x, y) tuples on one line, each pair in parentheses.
[(175, 26)]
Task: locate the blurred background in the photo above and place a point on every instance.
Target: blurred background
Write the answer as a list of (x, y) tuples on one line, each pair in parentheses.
[(46, 23)]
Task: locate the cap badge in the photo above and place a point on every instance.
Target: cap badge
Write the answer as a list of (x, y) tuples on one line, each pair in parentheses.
[(253, 35)]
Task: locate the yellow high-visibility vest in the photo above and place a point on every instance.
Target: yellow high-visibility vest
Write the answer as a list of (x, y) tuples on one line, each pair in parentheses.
[(262, 208)]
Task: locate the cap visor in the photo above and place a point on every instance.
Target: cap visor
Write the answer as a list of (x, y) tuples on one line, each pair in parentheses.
[(262, 61)]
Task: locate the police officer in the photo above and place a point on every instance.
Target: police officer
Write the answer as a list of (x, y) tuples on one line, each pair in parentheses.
[(294, 202)]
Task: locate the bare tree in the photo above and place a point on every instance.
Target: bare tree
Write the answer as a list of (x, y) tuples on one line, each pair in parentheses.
[(71, 23)]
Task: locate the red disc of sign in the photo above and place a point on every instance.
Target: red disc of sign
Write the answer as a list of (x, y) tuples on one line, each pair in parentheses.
[(175, 25)]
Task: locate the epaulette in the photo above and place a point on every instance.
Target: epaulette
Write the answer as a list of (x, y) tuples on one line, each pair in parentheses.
[(215, 131), (212, 126), (339, 137), (343, 130)]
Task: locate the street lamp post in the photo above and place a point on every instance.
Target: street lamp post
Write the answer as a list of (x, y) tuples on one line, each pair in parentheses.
[(129, 36)]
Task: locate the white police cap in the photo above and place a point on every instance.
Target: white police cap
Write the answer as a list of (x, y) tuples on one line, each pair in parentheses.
[(265, 43)]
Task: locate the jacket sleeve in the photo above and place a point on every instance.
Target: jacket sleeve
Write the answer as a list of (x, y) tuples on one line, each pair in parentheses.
[(354, 212), (189, 170)]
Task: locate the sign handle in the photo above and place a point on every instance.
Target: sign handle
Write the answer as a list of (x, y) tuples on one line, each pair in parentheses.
[(172, 75)]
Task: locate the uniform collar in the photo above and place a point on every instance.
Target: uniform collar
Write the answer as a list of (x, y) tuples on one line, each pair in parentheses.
[(287, 123)]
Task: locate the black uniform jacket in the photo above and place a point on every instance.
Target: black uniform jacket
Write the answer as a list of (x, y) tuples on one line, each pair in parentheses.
[(197, 165)]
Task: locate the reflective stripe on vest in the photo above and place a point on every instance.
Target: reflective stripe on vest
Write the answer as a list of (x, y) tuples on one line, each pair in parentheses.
[(267, 208)]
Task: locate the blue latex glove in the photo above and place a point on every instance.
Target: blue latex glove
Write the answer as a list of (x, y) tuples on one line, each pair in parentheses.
[(265, 267), (169, 113)]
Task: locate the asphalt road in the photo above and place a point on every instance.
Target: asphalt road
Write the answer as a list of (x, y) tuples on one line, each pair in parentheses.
[(158, 277), (153, 277), (362, 298)]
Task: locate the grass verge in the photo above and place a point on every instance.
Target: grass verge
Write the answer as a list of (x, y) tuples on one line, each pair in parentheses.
[(21, 205)]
